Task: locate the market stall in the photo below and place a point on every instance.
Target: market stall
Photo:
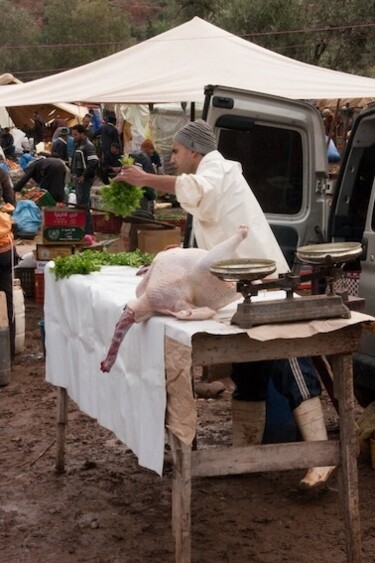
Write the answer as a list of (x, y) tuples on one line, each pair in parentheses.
[(80, 315)]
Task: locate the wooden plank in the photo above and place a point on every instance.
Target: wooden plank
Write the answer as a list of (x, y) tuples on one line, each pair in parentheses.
[(348, 475), (3, 310), (325, 373), (270, 457), (62, 417), (209, 349), (181, 498)]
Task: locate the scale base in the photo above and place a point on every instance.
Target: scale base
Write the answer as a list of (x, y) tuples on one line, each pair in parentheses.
[(291, 309)]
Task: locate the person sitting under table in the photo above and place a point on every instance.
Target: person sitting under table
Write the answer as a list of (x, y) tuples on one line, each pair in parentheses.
[(217, 195)]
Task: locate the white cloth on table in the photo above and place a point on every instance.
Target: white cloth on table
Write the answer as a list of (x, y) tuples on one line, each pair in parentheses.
[(80, 316)]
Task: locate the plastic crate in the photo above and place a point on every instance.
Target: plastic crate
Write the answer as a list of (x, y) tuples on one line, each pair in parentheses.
[(39, 287), (27, 278), (101, 224), (349, 282), (46, 200)]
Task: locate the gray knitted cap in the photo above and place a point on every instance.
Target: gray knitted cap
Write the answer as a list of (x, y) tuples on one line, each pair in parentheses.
[(197, 136)]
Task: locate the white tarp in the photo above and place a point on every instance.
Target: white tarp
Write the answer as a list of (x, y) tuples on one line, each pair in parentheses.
[(176, 65), (23, 115)]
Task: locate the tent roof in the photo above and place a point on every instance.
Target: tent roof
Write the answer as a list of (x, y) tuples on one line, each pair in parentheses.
[(176, 65), (21, 115)]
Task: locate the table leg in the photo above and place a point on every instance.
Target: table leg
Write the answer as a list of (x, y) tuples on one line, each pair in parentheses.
[(62, 417), (181, 498), (348, 475)]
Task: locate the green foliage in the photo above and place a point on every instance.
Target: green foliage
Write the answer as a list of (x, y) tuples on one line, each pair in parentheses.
[(348, 49), (92, 261), (312, 24), (121, 198), (85, 22), (249, 18), (18, 32)]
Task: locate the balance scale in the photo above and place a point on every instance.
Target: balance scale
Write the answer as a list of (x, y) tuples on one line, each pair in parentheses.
[(327, 260)]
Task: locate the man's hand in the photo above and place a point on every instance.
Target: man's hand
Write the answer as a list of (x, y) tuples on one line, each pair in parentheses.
[(80, 179), (132, 175)]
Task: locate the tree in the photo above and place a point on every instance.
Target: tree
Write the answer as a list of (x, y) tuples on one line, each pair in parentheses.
[(85, 23), (260, 21), (18, 33), (338, 45)]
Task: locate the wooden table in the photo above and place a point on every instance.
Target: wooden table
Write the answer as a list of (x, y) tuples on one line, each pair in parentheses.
[(73, 358), (338, 346)]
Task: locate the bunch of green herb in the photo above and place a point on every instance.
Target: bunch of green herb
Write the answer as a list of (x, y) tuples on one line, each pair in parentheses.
[(92, 261), (121, 198)]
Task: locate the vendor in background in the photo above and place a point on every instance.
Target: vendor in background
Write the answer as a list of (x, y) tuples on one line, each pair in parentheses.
[(7, 143), (60, 145), (111, 163), (108, 134), (49, 173), (148, 148), (149, 194), (84, 165), (38, 129), (86, 122), (6, 270), (217, 195), (6, 188)]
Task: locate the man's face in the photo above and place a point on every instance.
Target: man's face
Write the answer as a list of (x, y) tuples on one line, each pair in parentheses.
[(86, 121), (184, 160), (77, 136)]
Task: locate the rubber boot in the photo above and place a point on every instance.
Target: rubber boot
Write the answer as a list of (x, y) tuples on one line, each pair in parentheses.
[(310, 421), (248, 422)]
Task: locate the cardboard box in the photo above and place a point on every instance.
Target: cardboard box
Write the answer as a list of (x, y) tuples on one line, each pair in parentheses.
[(47, 252), (153, 239), (63, 217)]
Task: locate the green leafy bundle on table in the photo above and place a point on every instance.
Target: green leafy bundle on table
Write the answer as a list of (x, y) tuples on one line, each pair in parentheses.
[(92, 261), (121, 198)]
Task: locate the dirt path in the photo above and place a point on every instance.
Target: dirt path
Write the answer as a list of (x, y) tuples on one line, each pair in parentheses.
[(107, 509)]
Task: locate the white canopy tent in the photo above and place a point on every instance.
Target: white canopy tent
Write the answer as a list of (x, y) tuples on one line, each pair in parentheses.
[(23, 115), (176, 65)]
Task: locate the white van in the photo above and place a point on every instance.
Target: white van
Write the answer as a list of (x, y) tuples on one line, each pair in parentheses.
[(282, 148)]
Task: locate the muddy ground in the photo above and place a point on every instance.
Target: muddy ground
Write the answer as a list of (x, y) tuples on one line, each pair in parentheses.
[(107, 509)]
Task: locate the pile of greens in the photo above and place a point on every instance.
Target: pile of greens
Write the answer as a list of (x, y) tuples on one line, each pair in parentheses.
[(92, 261), (120, 198)]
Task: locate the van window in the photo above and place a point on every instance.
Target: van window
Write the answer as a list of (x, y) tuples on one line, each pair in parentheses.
[(350, 215), (271, 158)]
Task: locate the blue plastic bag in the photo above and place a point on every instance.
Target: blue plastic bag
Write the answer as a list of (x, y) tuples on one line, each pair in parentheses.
[(27, 217), (332, 152), (25, 159)]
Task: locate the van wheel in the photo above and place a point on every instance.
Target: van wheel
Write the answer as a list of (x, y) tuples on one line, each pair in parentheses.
[(364, 395)]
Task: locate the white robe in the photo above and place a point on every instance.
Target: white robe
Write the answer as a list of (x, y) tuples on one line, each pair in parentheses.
[(220, 199)]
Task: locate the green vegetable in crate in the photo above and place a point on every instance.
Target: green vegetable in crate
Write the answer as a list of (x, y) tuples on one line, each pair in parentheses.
[(121, 198), (92, 261)]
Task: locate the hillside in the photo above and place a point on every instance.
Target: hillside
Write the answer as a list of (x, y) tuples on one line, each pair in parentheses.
[(138, 11)]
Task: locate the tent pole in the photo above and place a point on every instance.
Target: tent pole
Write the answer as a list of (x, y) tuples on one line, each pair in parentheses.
[(192, 111)]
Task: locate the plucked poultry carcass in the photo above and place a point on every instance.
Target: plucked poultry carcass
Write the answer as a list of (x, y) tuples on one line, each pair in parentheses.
[(178, 283)]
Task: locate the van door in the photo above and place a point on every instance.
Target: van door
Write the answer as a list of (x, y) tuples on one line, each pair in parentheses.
[(353, 219), (281, 146)]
